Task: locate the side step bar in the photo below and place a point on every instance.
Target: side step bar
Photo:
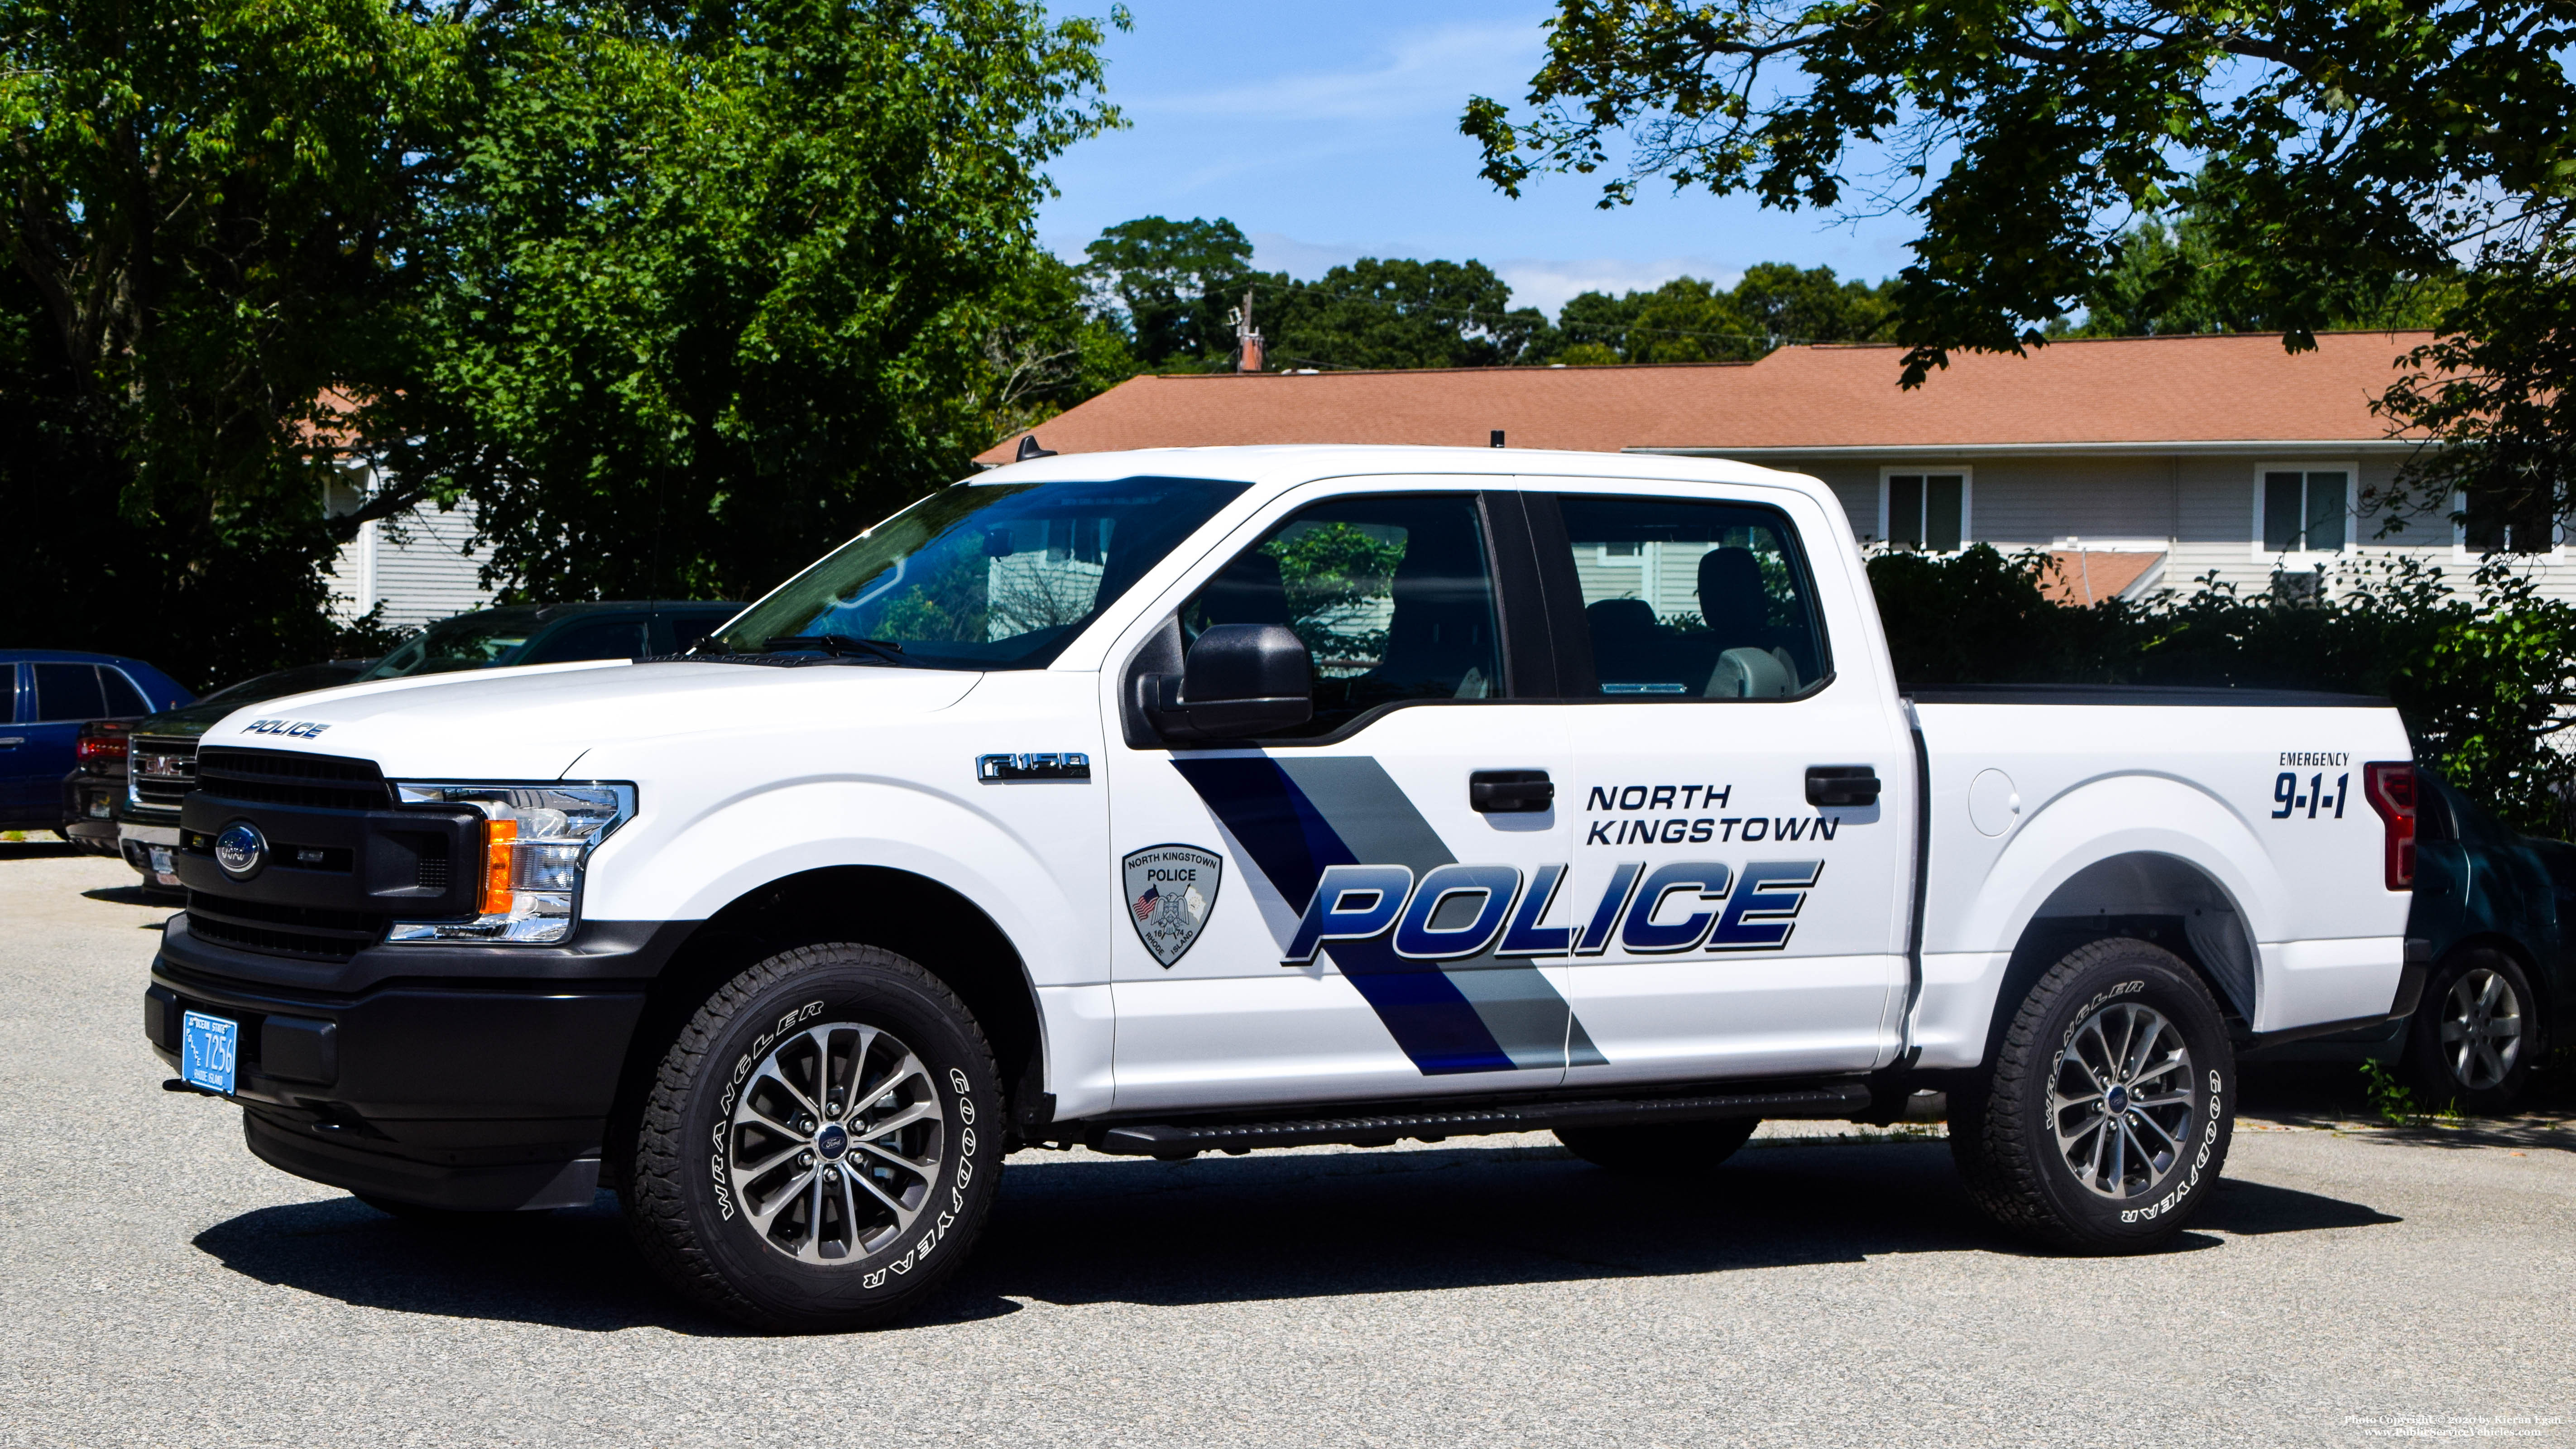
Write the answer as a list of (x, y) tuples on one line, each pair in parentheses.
[(1173, 1142)]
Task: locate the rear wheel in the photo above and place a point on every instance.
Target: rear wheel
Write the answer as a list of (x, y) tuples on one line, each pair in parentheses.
[(820, 1146), (1678, 1150), (2104, 1119), (2474, 1037)]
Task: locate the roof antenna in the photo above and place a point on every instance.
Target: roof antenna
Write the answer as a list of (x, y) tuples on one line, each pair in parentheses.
[(1029, 449), (1497, 439)]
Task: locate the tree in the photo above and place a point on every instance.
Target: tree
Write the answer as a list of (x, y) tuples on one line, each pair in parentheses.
[(1170, 279), (1395, 313), (722, 282), (210, 213), (1690, 320), (2322, 144), (1178, 284), (2167, 280)]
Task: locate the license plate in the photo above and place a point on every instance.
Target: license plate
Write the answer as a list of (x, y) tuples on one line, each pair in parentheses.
[(163, 867), (207, 1045)]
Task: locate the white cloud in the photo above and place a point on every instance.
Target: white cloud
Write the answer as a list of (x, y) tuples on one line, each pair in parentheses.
[(1418, 72), (1547, 283)]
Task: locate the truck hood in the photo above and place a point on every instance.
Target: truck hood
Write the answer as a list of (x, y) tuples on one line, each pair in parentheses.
[(535, 723)]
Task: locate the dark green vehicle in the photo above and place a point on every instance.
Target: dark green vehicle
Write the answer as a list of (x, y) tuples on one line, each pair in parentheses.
[(162, 758), (2495, 909)]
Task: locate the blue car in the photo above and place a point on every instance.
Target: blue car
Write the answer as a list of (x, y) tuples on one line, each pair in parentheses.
[(50, 694)]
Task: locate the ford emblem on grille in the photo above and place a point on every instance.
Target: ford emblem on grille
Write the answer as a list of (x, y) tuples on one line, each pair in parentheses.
[(241, 849)]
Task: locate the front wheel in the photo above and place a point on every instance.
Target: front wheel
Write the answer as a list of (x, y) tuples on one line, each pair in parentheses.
[(2103, 1121), (820, 1147)]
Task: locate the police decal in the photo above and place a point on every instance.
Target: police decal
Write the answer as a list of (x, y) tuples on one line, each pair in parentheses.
[(1171, 889)]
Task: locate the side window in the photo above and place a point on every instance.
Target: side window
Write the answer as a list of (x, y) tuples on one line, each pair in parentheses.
[(69, 691), (122, 696), (589, 639), (1391, 594), (1689, 600)]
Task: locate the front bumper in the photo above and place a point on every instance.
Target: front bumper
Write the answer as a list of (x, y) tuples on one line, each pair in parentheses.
[(411, 1074), (137, 844)]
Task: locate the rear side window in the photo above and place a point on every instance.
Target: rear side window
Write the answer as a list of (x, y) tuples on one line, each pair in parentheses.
[(1685, 600), (589, 639), (69, 691), (122, 696)]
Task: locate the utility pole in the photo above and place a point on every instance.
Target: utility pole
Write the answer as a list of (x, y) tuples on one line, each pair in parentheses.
[(1247, 338)]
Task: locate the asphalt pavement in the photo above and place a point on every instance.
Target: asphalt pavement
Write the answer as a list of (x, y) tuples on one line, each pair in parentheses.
[(2345, 1285)]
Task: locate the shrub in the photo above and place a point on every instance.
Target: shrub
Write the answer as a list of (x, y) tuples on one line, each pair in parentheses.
[(2484, 679)]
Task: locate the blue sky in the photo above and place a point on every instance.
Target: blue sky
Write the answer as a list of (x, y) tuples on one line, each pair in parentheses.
[(1328, 130)]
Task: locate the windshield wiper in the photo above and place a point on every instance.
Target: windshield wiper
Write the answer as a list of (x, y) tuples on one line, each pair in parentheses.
[(841, 646)]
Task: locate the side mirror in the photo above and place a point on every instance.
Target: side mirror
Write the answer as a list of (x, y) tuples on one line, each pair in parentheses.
[(1239, 681)]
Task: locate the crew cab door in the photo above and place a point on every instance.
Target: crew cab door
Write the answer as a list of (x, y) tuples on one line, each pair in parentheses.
[(1731, 926), (1329, 914)]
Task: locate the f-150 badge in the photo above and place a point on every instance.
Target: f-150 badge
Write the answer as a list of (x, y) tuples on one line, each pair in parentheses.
[(1170, 891)]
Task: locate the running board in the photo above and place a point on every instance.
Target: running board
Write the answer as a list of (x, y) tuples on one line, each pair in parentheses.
[(1168, 1141)]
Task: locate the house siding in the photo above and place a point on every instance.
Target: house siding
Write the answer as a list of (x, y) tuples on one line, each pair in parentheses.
[(2198, 508), (420, 565)]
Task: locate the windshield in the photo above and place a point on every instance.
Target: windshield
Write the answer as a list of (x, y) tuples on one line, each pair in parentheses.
[(284, 682), (980, 576), (468, 641)]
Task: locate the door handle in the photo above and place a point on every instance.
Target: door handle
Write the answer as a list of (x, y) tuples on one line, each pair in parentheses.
[(1842, 784), (8, 740), (1510, 792)]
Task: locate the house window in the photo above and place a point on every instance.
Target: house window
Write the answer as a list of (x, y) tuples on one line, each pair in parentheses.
[(1924, 510), (2305, 510), (2495, 520)]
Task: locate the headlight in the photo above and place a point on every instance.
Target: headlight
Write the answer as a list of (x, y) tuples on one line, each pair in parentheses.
[(536, 839)]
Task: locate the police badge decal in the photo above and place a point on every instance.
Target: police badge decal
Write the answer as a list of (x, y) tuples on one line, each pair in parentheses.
[(1170, 891)]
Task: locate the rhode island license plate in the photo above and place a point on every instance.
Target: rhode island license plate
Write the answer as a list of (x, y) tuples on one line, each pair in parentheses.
[(207, 1045)]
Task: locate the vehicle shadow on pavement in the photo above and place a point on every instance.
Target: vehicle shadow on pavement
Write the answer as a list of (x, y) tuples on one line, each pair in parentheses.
[(1215, 1230), (36, 850), (1230, 1230), (573, 1269)]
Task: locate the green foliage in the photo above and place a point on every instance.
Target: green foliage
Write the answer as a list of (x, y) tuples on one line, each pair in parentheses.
[(1331, 573), (674, 295), (1690, 320), (2324, 145), (2393, 1100), (2167, 280), (210, 211), (1397, 313), (1173, 281), (1178, 286), (2485, 678), (723, 280)]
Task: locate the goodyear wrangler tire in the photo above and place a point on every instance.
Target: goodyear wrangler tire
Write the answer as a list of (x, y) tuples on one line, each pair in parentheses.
[(2103, 1121), (820, 1146), (1677, 1150)]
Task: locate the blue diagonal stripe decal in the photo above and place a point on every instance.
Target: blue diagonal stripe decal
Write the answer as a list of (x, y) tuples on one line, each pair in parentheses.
[(1297, 820)]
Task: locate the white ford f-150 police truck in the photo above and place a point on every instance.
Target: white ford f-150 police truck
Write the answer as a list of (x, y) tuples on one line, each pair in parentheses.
[(1215, 799)]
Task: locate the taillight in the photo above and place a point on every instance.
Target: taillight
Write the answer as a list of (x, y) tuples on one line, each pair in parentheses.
[(498, 837), (99, 741), (2391, 787)]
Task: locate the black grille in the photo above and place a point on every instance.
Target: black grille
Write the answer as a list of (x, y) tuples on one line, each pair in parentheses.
[(431, 873), (274, 777), (314, 935)]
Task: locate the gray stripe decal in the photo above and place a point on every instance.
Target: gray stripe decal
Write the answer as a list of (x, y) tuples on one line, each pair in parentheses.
[(1529, 1020)]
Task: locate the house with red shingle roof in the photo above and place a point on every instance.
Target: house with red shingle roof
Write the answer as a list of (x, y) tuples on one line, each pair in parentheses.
[(2143, 462)]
